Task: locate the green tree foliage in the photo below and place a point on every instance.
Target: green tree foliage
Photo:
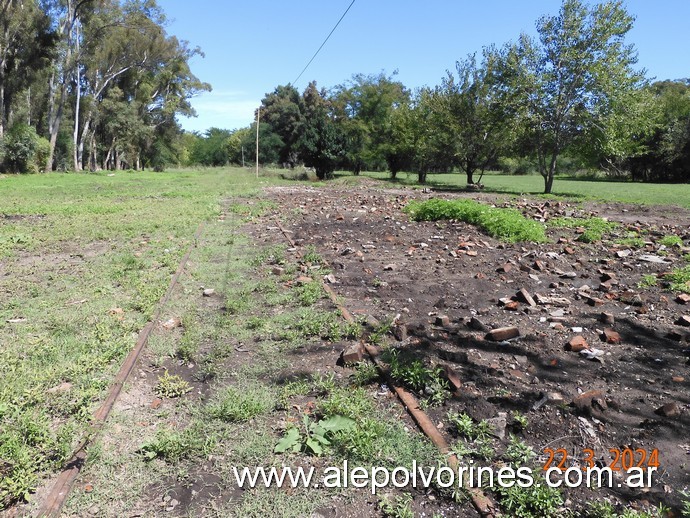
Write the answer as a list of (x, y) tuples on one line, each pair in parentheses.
[(21, 149), (575, 76), (100, 79), (322, 142), (282, 111), (475, 125)]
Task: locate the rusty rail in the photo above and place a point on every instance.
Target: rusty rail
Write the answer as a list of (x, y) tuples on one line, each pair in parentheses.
[(53, 503)]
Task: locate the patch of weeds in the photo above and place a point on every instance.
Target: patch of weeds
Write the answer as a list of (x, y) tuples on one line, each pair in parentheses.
[(352, 331), (647, 281), (399, 507), (376, 336), (671, 240), (518, 452), (365, 373), (595, 228), (311, 437), (412, 372), (271, 255), (686, 503), (255, 323), (520, 420), (608, 510), (311, 256), (309, 293), (316, 323), (206, 372), (505, 224), (241, 404), (174, 445), (171, 386), (679, 279), (631, 240), (525, 502)]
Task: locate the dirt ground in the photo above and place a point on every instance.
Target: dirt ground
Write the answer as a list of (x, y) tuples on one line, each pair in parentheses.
[(447, 285)]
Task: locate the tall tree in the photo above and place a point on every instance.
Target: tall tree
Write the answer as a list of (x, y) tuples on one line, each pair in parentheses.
[(322, 143), (282, 111), (476, 126), (572, 78)]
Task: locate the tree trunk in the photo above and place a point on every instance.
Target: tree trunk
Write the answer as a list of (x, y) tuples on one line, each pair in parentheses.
[(548, 177), (470, 177), (421, 176), (76, 158)]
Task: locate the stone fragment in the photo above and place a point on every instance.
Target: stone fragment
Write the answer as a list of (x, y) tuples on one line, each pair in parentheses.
[(452, 378), (477, 325), (208, 292), (524, 296), (668, 410), (442, 320), (505, 268), (61, 388), (577, 344), (503, 333), (607, 318), (171, 323), (583, 402), (353, 354), (390, 267), (678, 379), (277, 270), (683, 321), (330, 278), (610, 336), (683, 298)]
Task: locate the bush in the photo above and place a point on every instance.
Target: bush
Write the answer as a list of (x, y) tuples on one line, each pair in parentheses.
[(23, 151)]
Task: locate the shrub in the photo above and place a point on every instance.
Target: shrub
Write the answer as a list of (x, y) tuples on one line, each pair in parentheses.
[(23, 151)]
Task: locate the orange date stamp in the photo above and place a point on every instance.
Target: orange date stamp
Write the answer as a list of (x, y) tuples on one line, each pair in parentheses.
[(621, 459)]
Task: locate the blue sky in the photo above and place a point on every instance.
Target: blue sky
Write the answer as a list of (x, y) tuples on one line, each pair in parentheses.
[(252, 46)]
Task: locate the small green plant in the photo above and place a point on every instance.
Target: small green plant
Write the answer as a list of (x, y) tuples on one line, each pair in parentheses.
[(518, 452), (399, 507), (171, 386), (309, 292), (312, 436), (680, 279), (241, 404), (525, 502), (686, 503), (173, 445), (466, 426), (594, 228), (671, 240), (311, 256), (647, 281), (417, 376), (365, 373), (520, 420)]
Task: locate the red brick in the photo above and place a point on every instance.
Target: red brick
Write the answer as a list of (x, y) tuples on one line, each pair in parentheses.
[(610, 336), (524, 296), (684, 321), (668, 410), (353, 354), (577, 344), (503, 333)]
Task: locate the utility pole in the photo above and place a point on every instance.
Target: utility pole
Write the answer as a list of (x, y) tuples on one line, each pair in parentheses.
[(258, 112)]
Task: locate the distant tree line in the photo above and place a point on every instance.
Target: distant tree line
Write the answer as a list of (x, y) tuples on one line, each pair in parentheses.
[(91, 84), (571, 97)]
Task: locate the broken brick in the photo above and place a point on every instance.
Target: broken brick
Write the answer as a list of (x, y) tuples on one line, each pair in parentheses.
[(505, 268), (683, 298), (442, 320), (583, 402), (610, 336), (353, 354), (524, 296), (607, 318), (452, 378), (683, 321), (668, 410), (512, 305), (577, 344), (502, 333)]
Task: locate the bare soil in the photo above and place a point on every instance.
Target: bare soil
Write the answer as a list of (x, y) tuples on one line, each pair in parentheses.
[(635, 394)]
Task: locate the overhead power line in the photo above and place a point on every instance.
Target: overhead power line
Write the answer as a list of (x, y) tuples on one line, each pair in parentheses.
[(324, 42)]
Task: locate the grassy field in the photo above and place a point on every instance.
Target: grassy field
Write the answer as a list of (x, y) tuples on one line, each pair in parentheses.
[(84, 259), (627, 192)]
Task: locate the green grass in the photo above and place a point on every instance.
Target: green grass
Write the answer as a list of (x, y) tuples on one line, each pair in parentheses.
[(505, 224), (566, 187), (88, 257), (679, 279), (594, 228)]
